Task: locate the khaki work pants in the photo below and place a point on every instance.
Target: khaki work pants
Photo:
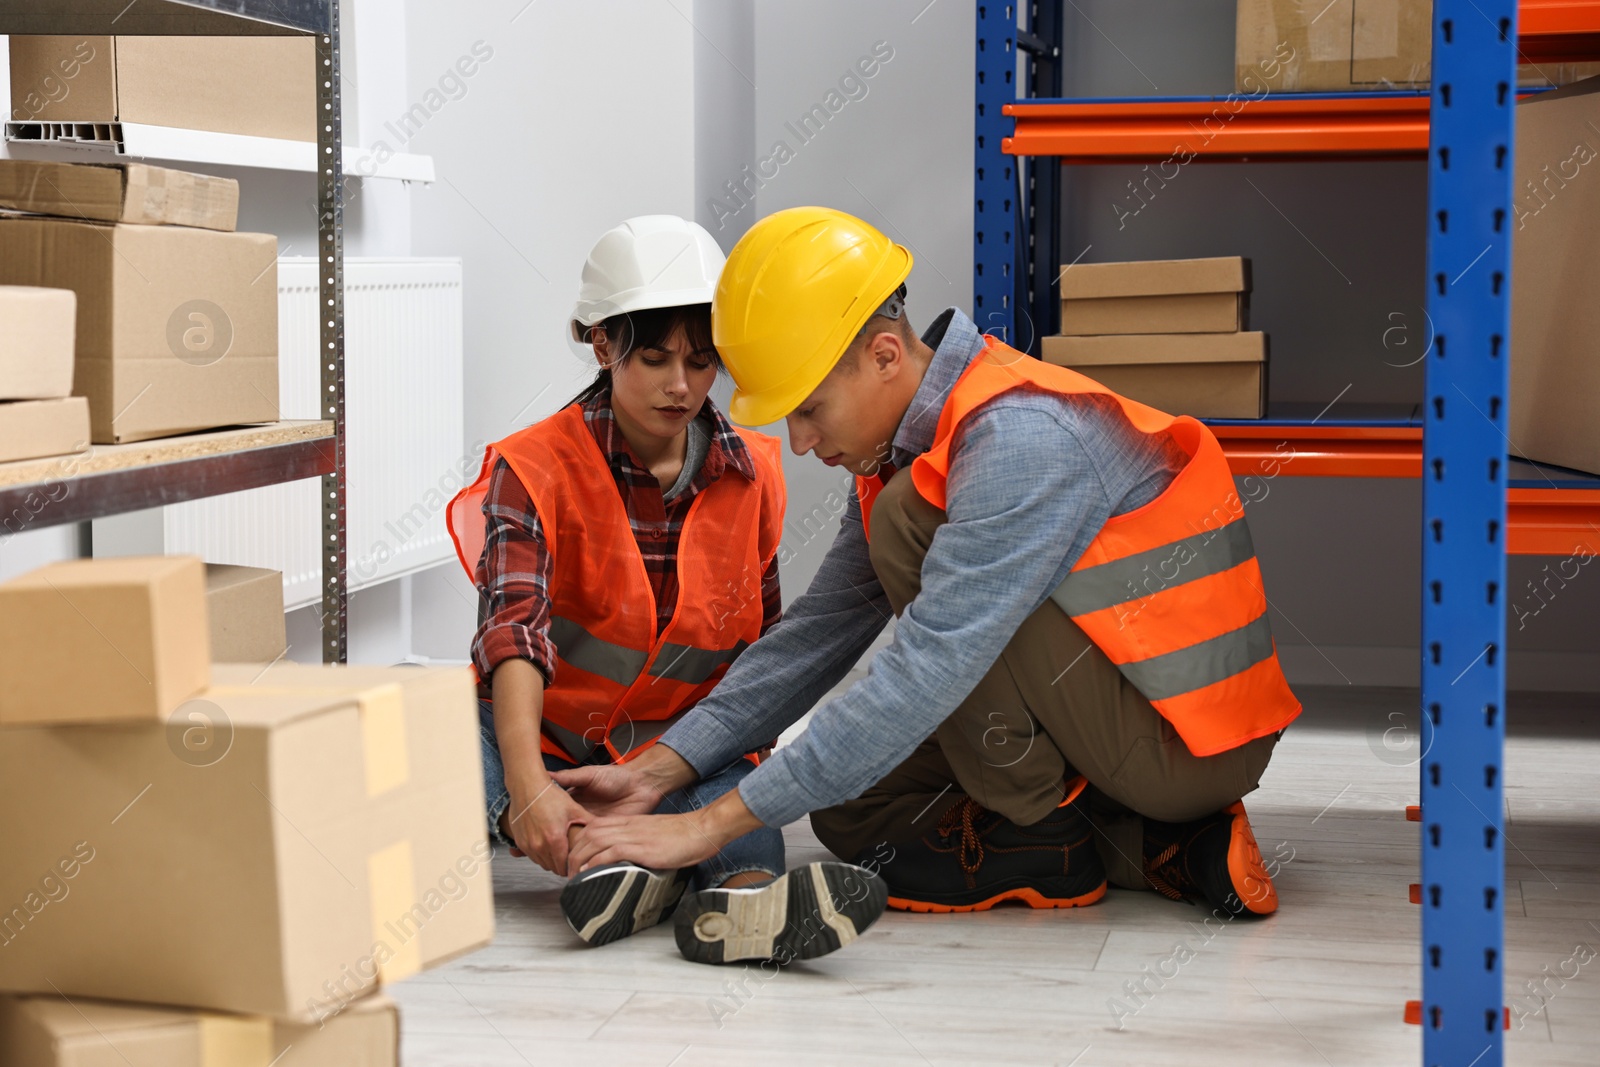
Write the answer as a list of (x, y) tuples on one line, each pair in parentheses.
[(1052, 706)]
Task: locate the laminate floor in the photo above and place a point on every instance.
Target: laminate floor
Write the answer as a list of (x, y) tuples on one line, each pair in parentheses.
[(1136, 979)]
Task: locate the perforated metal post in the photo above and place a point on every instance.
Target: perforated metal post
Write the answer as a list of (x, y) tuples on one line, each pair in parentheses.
[(994, 179), (330, 288), (1044, 179), (1464, 512)]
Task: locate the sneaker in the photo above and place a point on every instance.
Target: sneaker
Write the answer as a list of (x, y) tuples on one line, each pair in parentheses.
[(801, 915), (1215, 859), (605, 904), (975, 858)]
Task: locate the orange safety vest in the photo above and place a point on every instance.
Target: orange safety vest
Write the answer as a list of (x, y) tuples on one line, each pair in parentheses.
[(618, 682), (1171, 592)]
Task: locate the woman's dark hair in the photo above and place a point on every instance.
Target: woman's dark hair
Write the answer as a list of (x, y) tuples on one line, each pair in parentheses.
[(650, 328)]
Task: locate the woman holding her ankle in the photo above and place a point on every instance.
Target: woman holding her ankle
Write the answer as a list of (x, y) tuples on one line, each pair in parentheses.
[(625, 552)]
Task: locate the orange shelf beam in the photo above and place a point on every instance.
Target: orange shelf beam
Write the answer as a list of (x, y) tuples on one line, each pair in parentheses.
[(1540, 522), (1558, 31), (1323, 451), (1552, 522), (1236, 128)]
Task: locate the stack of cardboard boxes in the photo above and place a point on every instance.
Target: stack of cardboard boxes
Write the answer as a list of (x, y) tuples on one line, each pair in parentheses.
[(1297, 46), (39, 416), (1167, 333), (173, 321), (213, 864)]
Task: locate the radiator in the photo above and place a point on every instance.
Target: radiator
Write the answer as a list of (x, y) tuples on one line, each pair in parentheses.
[(403, 423)]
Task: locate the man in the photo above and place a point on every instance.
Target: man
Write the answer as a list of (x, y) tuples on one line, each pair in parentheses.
[(1082, 683)]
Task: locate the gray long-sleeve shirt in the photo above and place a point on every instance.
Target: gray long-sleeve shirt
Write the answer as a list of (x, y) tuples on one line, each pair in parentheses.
[(1033, 478)]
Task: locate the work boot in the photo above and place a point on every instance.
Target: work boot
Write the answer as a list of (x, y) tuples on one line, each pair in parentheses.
[(1214, 859), (806, 913), (975, 858), (607, 903)]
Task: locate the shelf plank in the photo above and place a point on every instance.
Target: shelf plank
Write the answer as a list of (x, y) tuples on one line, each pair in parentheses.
[(108, 142), (165, 17), (112, 479)]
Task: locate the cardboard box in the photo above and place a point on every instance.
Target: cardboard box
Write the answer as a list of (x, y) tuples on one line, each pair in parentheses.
[(245, 605), (177, 327), (1156, 296), (36, 342), (309, 834), (33, 428), (261, 86), (1209, 376), (102, 640), (119, 192), (48, 1031), (1555, 290), (1346, 45)]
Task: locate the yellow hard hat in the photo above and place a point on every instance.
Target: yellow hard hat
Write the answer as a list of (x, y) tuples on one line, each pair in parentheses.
[(796, 290)]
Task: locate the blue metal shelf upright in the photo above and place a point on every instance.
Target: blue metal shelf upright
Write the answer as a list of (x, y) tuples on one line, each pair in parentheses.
[(1463, 458)]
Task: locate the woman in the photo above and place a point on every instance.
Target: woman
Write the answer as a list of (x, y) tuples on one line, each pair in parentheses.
[(627, 552)]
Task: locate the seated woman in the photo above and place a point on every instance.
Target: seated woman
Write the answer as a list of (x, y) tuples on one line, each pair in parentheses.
[(625, 555)]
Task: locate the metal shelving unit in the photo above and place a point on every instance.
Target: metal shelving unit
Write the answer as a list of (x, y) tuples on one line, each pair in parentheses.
[(164, 477), (1478, 503)]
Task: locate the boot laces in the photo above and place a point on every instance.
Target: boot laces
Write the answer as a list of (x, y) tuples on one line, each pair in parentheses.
[(1164, 872), (969, 848)]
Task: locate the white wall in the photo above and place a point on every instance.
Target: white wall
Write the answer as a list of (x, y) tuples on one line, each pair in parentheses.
[(582, 117), (898, 153)]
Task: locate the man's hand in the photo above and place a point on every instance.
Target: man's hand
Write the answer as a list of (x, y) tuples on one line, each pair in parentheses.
[(633, 788), (662, 840), (659, 841), (610, 789), (540, 819)]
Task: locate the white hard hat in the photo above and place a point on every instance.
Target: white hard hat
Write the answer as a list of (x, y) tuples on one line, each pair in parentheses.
[(651, 261)]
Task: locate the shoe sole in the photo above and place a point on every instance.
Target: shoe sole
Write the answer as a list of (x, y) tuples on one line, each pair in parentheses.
[(619, 902), (801, 915), (1252, 884), (1026, 894)]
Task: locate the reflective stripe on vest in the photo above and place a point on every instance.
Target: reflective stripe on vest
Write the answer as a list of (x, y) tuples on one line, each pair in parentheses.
[(1121, 581), (620, 664), (589, 653), (686, 663)]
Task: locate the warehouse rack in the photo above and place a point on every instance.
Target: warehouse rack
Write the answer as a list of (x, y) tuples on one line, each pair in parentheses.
[(112, 479), (1487, 504)]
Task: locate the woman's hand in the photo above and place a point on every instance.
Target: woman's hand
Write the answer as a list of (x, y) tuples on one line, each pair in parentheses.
[(540, 820), (611, 789), (659, 841)]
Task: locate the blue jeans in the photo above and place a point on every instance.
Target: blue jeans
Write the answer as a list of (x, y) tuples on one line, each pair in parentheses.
[(759, 850)]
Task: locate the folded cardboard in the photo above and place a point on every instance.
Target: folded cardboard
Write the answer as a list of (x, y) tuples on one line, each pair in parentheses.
[(102, 640), (119, 192), (177, 328), (1555, 296), (54, 1032), (1155, 296), (1345, 45), (245, 605), (1209, 376), (36, 337), (260, 86), (30, 429), (308, 834)]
